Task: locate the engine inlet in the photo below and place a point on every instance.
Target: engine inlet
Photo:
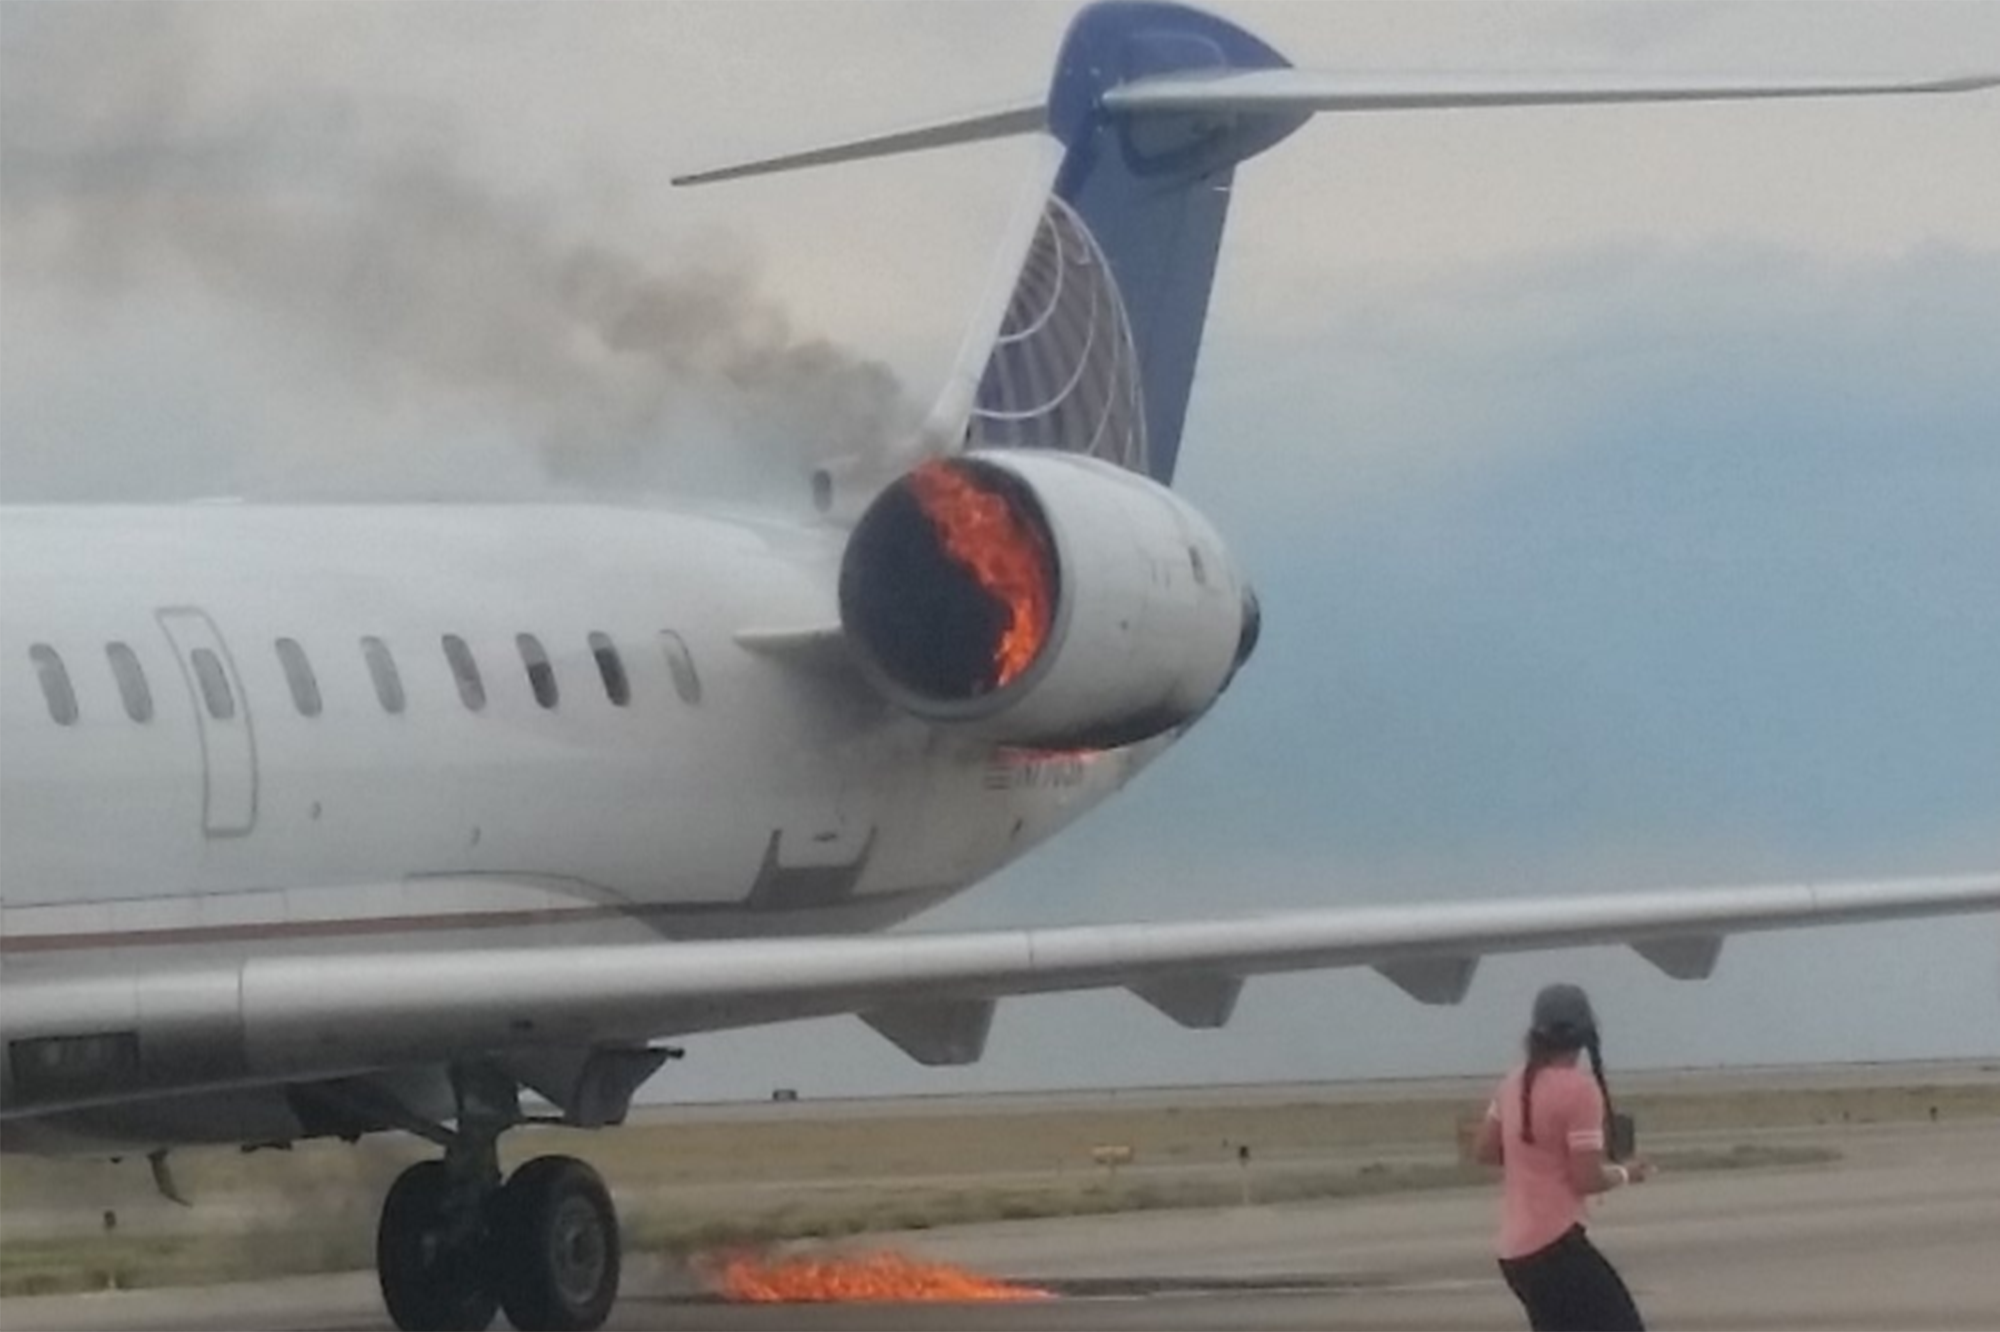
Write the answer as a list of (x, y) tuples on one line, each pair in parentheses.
[(950, 582)]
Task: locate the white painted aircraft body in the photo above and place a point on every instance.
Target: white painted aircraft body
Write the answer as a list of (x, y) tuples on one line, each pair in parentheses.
[(515, 823), (336, 820)]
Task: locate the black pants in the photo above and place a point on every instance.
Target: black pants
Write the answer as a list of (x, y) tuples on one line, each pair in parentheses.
[(1569, 1287)]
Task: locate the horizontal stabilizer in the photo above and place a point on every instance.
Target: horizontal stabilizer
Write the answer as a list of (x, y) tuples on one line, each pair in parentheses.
[(1268, 91), (937, 134), (1305, 92)]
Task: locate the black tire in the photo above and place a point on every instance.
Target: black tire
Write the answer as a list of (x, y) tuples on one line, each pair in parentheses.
[(432, 1280), (556, 1243)]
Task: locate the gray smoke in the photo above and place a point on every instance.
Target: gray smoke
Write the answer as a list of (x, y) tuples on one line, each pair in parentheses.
[(380, 258)]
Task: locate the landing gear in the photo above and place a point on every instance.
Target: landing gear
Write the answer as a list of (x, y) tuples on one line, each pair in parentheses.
[(456, 1246), (429, 1255), (544, 1247), (556, 1236)]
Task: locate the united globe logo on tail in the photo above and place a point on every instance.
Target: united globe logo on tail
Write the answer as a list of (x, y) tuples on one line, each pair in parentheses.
[(1064, 373)]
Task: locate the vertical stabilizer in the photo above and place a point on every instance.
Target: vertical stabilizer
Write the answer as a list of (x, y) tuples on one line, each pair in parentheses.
[(1097, 351)]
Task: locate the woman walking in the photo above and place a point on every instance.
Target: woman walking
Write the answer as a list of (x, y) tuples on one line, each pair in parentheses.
[(1546, 1130)]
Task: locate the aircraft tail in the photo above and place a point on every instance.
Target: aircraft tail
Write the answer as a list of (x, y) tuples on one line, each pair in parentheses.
[(1089, 344), (1096, 353)]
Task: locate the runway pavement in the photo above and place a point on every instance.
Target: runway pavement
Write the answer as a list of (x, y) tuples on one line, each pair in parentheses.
[(1903, 1233)]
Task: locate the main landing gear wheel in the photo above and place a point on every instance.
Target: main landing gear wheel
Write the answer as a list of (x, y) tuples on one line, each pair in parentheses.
[(555, 1242), (431, 1261)]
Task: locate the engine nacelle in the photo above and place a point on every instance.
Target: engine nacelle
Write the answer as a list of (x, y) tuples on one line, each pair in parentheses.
[(1045, 599)]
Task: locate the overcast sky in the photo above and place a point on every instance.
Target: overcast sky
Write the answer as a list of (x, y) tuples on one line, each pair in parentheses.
[(1623, 485)]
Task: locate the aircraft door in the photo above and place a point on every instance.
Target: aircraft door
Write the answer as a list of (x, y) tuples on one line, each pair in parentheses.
[(222, 720)]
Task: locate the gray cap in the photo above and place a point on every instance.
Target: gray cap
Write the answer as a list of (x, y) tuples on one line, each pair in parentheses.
[(1562, 1013)]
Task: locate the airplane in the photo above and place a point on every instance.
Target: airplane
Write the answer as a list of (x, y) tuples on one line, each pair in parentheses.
[(337, 820)]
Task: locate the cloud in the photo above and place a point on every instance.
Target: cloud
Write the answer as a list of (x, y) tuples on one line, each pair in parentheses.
[(1449, 380), (1726, 613)]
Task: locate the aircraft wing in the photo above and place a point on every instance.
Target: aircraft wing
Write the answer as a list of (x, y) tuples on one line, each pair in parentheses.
[(933, 993), (295, 1018)]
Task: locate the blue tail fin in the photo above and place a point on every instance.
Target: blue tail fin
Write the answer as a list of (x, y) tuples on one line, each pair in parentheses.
[(1097, 351)]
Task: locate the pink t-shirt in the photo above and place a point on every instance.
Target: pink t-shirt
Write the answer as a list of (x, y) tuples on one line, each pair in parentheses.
[(1538, 1202)]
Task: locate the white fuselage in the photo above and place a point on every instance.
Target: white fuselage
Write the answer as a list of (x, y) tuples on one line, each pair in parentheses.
[(736, 790)]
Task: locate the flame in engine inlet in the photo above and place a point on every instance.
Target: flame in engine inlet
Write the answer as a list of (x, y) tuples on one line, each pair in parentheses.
[(984, 534), (858, 1278)]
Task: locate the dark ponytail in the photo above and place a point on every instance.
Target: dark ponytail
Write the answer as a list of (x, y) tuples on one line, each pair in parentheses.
[(1611, 1139), (1541, 1053)]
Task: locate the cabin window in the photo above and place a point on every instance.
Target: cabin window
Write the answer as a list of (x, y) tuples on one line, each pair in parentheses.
[(213, 682), (131, 677), (617, 687), (56, 689), (541, 675), (465, 670), (382, 670), (681, 666), (299, 675)]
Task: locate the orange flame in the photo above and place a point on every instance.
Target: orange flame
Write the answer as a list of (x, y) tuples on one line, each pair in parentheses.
[(858, 1278), (982, 532)]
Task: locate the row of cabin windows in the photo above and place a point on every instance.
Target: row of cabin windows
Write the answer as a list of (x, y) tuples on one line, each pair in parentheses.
[(212, 679)]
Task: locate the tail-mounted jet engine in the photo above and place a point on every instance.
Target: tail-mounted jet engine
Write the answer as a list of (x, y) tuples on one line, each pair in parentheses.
[(1043, 599)]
